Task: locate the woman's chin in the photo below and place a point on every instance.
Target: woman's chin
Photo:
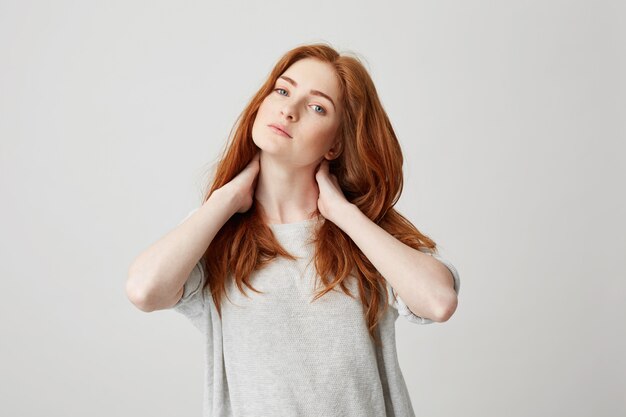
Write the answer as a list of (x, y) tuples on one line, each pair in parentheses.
[(271, 145)]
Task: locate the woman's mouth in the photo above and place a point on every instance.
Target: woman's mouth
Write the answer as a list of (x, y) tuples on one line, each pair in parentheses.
[(279, 131)]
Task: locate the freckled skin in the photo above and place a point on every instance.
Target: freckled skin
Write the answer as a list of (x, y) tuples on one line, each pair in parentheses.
[(311, 120)]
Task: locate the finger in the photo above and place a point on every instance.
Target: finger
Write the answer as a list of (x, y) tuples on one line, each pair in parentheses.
[(322, 172)]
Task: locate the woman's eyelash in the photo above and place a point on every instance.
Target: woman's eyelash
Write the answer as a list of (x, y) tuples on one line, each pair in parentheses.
[(316, 105)]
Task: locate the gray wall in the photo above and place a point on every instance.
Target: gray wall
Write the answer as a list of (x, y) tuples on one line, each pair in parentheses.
[(511, 117)]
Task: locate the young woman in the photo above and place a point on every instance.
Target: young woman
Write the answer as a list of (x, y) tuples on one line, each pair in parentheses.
[(300, 211)]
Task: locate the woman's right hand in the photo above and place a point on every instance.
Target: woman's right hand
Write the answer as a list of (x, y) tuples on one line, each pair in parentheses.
[(242, 187)]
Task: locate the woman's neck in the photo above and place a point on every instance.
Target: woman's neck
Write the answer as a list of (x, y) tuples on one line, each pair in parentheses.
[(287, 194)]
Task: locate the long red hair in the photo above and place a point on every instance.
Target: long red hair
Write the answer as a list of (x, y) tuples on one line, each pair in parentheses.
[(369, 170)]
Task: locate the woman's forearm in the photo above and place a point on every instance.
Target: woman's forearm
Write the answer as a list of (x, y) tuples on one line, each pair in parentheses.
[(424, 284), (158, 274)]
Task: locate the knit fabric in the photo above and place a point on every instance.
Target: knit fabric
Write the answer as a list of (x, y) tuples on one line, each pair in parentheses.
[(279, 354)]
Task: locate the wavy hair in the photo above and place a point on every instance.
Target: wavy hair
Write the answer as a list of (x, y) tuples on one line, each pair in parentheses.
[(369, 170)]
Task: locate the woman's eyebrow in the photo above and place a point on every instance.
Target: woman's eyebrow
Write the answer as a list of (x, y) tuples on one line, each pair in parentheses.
[(314, 92)]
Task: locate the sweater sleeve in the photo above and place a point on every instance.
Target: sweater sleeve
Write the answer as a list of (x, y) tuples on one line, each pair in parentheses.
[(402, 308), (192, 303)]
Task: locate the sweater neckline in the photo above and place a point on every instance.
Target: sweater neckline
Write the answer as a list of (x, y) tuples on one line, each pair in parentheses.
[(280, 227)]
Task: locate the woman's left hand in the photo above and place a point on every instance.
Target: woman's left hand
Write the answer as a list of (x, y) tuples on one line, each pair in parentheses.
[(331, 202)]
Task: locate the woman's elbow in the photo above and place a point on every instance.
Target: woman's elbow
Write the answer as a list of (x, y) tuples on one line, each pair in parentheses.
[(447, 309)]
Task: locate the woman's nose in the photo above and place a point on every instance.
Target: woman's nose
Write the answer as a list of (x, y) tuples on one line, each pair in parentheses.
[(289, 111)]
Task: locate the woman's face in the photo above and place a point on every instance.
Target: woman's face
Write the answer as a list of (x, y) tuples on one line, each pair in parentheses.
[(305, 103)]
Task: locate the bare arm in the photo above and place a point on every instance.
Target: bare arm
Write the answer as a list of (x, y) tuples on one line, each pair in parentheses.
[(425, 284), (157, 276)]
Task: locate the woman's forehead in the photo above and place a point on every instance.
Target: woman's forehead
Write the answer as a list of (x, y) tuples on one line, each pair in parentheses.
[(310, 73)]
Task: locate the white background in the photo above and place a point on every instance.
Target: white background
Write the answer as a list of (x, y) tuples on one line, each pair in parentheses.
[(511, 116)]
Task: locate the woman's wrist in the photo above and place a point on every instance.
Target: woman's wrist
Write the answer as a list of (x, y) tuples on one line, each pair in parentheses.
[(226, 198), (344, 213)]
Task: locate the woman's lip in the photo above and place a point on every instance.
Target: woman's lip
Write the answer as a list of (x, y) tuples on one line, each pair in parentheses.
[(280, 132)]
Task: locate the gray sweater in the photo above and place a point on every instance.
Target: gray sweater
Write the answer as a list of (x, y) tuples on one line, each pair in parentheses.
[(277, 354)]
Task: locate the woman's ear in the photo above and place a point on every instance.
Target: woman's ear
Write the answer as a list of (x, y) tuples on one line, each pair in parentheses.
[(333, 152)]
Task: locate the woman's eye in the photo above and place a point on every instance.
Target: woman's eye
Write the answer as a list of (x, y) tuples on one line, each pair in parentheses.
[(321, 108), (320, 111)]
